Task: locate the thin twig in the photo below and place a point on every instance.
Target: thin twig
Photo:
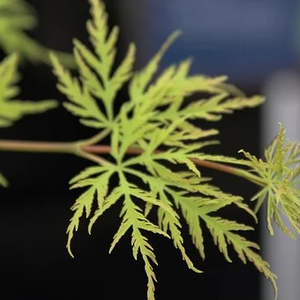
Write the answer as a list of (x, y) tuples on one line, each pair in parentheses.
[(88, 151), (32, 146)]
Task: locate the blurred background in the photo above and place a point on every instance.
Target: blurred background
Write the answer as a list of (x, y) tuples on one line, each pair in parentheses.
[(255, 43)]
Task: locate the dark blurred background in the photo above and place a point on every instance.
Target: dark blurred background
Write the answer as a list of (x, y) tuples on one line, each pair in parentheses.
[(247, 40)]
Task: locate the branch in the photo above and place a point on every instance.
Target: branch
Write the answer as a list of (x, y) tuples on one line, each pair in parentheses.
[(88, 152)]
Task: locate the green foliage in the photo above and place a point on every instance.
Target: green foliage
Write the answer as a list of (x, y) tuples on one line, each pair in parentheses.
[(152, 163), (17, 17), (3, 181), (156, 117), (98, 80), (12, 110), (279, 173)]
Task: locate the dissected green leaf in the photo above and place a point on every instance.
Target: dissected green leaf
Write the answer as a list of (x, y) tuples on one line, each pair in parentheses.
[(12, 110), (97, 81), (81, 104), (157, 126), (212, 109), (280, 173), (97, 187)]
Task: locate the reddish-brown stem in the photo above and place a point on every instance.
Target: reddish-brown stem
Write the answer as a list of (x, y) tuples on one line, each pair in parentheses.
[(104, 149), (89, 151), (32, 146)]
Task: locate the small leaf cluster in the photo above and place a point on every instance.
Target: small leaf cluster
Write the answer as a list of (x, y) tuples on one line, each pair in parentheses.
[(280, 174)]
